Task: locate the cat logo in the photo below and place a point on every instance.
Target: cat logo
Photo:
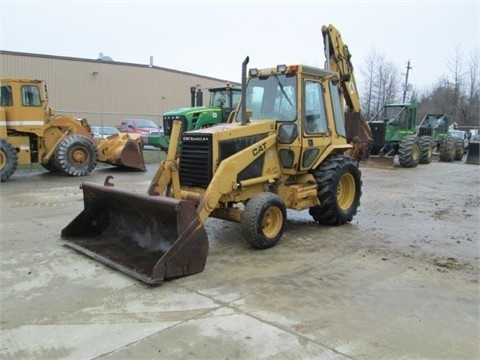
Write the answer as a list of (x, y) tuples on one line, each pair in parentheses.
[(259, 149)]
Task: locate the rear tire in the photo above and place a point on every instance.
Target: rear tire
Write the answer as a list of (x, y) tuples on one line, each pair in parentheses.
[(263, 220), (8, 160), (339, 190), (409, 151), (426, 150), (447, 149), (458, 149), (76, 155)]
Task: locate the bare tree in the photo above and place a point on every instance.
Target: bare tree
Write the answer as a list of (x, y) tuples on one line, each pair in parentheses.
[(457, 94), (470, 107), (457, 69), (381, 82)]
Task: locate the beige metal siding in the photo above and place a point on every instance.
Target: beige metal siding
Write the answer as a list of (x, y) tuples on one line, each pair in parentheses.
[(107, 92)]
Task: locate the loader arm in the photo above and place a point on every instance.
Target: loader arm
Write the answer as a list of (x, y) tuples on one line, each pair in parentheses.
[(164, 176), (225, 179), (338, 59)]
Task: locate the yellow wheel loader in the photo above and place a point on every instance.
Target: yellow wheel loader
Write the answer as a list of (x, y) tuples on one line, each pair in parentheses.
[(30, 132), (284, 147)]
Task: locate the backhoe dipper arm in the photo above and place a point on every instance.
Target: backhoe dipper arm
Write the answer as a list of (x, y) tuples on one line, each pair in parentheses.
[(338, 60)]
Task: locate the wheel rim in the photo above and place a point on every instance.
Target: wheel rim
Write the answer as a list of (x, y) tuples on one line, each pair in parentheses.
[(272, 222), (346, 191), (79, 156), (415, 152), (3, 159)]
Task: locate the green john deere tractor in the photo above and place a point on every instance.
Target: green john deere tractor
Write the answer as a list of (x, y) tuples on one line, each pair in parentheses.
[(222, 101), (437, 127), (394, 133)]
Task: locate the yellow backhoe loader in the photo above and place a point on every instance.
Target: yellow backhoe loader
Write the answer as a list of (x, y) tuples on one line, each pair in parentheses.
[(285, 146), (31, 132)]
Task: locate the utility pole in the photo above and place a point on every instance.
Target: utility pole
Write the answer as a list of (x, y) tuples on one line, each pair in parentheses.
[(406, 81)]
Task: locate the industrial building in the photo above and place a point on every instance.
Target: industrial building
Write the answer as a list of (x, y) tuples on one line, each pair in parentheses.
[(104, 91)]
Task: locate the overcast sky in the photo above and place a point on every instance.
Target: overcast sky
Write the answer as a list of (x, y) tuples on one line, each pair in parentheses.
[(212, 38)]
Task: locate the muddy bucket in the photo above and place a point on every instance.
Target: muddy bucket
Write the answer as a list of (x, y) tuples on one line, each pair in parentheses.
[(151, 238), (122, 151), (473, 156)]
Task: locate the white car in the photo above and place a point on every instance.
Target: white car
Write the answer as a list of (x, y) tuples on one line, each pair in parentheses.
[(460, 134), (102, 132)]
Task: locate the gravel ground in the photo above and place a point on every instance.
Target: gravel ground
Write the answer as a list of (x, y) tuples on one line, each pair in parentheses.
[(401, 281)]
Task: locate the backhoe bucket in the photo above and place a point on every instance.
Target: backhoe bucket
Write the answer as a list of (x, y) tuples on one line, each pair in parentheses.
[(152, 238), (122, 150), (358, 134)]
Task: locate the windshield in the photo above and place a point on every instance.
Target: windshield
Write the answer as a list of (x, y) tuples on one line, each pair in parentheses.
[(222, 98), (273, 97)]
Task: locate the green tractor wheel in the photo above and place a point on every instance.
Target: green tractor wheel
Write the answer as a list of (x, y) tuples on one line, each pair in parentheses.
[(458, 149), (409, 151), (426, 149), (447, 149)]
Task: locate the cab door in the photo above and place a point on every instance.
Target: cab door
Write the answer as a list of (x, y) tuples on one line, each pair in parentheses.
[(316, 133)]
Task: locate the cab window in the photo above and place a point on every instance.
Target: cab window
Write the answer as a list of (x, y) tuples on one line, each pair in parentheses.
[(337, 109), (30, 95), (272, 97), (6, 95), (315, 121)]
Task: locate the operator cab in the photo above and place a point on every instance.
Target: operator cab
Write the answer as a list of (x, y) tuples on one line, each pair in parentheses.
[(280, 94)]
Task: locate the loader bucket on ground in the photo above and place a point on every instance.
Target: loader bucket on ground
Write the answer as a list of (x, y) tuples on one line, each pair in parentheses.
[(473, 156), (379, 162), (152, 238), (121, 150)]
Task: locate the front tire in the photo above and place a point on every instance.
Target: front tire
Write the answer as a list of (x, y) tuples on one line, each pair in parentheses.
[(263, 220), (426, 150), (76, 155), (447, 149), (339, 183), (8, 160), (458, 149), (409, 151)]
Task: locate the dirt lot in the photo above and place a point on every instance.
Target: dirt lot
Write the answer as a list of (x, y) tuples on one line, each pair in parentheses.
[(400, 282)]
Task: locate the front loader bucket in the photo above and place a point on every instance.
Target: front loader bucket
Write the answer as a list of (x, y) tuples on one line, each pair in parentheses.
[(122, 150), (152, 238)]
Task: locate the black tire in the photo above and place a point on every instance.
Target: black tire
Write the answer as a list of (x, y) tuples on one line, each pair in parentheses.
[(8, 160), (76, 155), (50, 166), (409, 151), (458, 149), (426, 150), (447, 149), (263, 220), (339, 183)]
